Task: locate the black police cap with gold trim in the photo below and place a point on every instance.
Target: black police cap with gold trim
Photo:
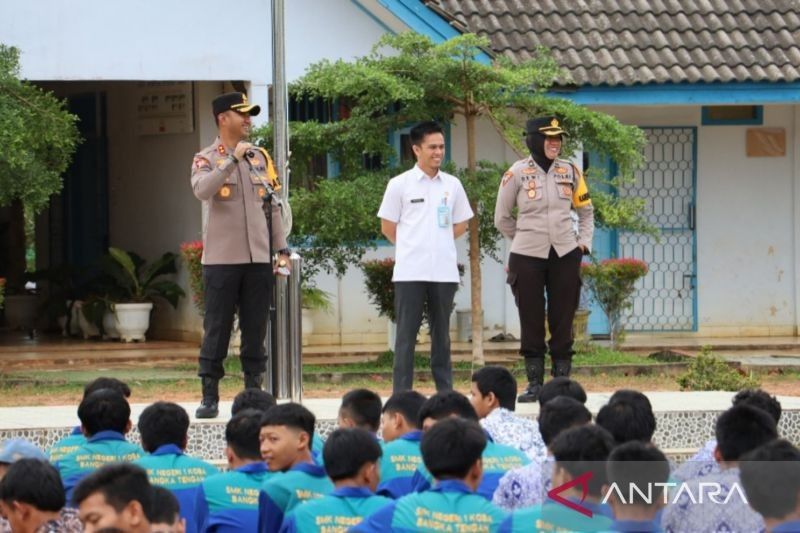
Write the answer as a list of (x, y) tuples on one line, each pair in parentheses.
[(549, 126), (234, 101)]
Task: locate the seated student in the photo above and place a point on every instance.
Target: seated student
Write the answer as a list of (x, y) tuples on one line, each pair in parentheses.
[(401, 434), (528, 485), (15, 449), (71, 442), (771, 480), (228, 502), (285, 445), (361, 408), (494, 397), (628, 416), (577, 451), (165, 512), (32, 499), (351, 461), (164, 428), (634, 466), (452, 450), (703, 463), (116, 497), (739, 430), (497, 458), (105, 419), (263, 401), (561, 386)]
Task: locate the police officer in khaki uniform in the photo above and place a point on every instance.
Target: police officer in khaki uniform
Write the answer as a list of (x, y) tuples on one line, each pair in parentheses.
[(234, 178), (546, 251)]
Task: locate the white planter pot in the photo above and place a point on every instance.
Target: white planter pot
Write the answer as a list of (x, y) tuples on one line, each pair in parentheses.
[(391, 333), (133, 320), (110, 325), (87, 328), (307, 326)]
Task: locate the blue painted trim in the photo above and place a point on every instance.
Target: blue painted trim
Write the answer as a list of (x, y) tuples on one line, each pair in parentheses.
[(752, 93), (371, 15), (758, 120)]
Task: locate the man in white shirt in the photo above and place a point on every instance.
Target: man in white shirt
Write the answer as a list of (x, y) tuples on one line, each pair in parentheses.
[(424, 210)]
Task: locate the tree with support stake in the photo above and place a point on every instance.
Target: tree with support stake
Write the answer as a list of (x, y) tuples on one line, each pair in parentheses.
[(408, 78)]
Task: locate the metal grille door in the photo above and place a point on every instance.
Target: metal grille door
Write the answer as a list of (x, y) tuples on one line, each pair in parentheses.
[(665, 299)]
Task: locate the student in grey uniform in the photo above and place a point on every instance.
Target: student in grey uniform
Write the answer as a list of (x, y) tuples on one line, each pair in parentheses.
[(423, 212), (546, 251), (234, 177)]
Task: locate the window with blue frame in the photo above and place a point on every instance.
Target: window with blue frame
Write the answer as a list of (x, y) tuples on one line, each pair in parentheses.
[(733, 115)]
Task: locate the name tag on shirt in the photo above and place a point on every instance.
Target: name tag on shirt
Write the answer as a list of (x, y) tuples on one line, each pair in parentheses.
[(443, 216), (417, 200)]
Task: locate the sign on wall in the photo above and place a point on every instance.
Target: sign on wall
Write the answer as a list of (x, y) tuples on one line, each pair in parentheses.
[(164, 107), (766, 142)]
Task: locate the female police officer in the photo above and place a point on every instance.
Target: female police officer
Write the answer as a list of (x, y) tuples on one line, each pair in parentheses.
[(546, 251)]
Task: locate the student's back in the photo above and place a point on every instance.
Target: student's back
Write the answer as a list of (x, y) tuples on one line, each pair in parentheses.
[(401, 459)]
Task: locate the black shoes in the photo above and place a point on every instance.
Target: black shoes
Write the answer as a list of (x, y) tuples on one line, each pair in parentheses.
[(534, 368), (209, 407)]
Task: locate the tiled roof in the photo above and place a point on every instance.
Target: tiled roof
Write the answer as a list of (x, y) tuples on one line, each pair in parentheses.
[(626, 42)]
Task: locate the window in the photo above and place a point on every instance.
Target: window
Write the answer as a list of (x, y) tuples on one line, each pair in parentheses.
[(732, 115)]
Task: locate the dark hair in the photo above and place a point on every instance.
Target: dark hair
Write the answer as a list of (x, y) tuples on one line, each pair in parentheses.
[(35, 482), (165, 508), (104, 410), (743, 428), (560, 413), (253, 398), (423, 129), (639, 464), (364, 407), (107, 383), (291, 415), (347, 450), (561, 386), (500, 381), (119, 483), (242, 434), (579, 450), (630, 395), (770, 476), (628, 420), (444, 404), (451, 447), (761, 399), (408, 403), (163, 423)]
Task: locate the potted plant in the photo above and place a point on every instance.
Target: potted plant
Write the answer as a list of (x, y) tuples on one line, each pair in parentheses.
[(612, 283), (22, 306), (313, 299), (192, 254), (378, 279), (139, 283)]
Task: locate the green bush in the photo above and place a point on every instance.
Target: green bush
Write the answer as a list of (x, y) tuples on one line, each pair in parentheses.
[(709, 372)]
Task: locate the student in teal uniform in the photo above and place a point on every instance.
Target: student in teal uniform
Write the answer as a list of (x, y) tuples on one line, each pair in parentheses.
[(577, 451), (351, 459), (497, 458), (452, 451), (116, 497), (770, 476), (640, 465), (361, 408), (263, 401), (401, 453), (165, 512), (105, 419), (286, 447), (228, 502), (76, 437), (164, 429)]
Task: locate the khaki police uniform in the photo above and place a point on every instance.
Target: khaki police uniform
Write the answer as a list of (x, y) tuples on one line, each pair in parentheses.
[(545, 249), (236, 252)]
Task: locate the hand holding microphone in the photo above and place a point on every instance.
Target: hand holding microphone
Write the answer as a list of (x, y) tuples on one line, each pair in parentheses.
[(241, 148)]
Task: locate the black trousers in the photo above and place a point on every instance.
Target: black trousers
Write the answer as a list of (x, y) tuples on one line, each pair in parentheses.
[(247, 287), (559, 277), (409, 299)]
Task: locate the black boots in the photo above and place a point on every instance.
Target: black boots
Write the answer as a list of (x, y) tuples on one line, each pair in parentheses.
[(209, 406), (253, 381), (561, 367), (534, 368)]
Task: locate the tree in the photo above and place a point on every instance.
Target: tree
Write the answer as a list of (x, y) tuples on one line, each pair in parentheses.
[(38, 137), (408, 78)]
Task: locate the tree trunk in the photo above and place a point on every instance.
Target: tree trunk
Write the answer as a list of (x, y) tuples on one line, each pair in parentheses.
[(16, 246), (474, 252)]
